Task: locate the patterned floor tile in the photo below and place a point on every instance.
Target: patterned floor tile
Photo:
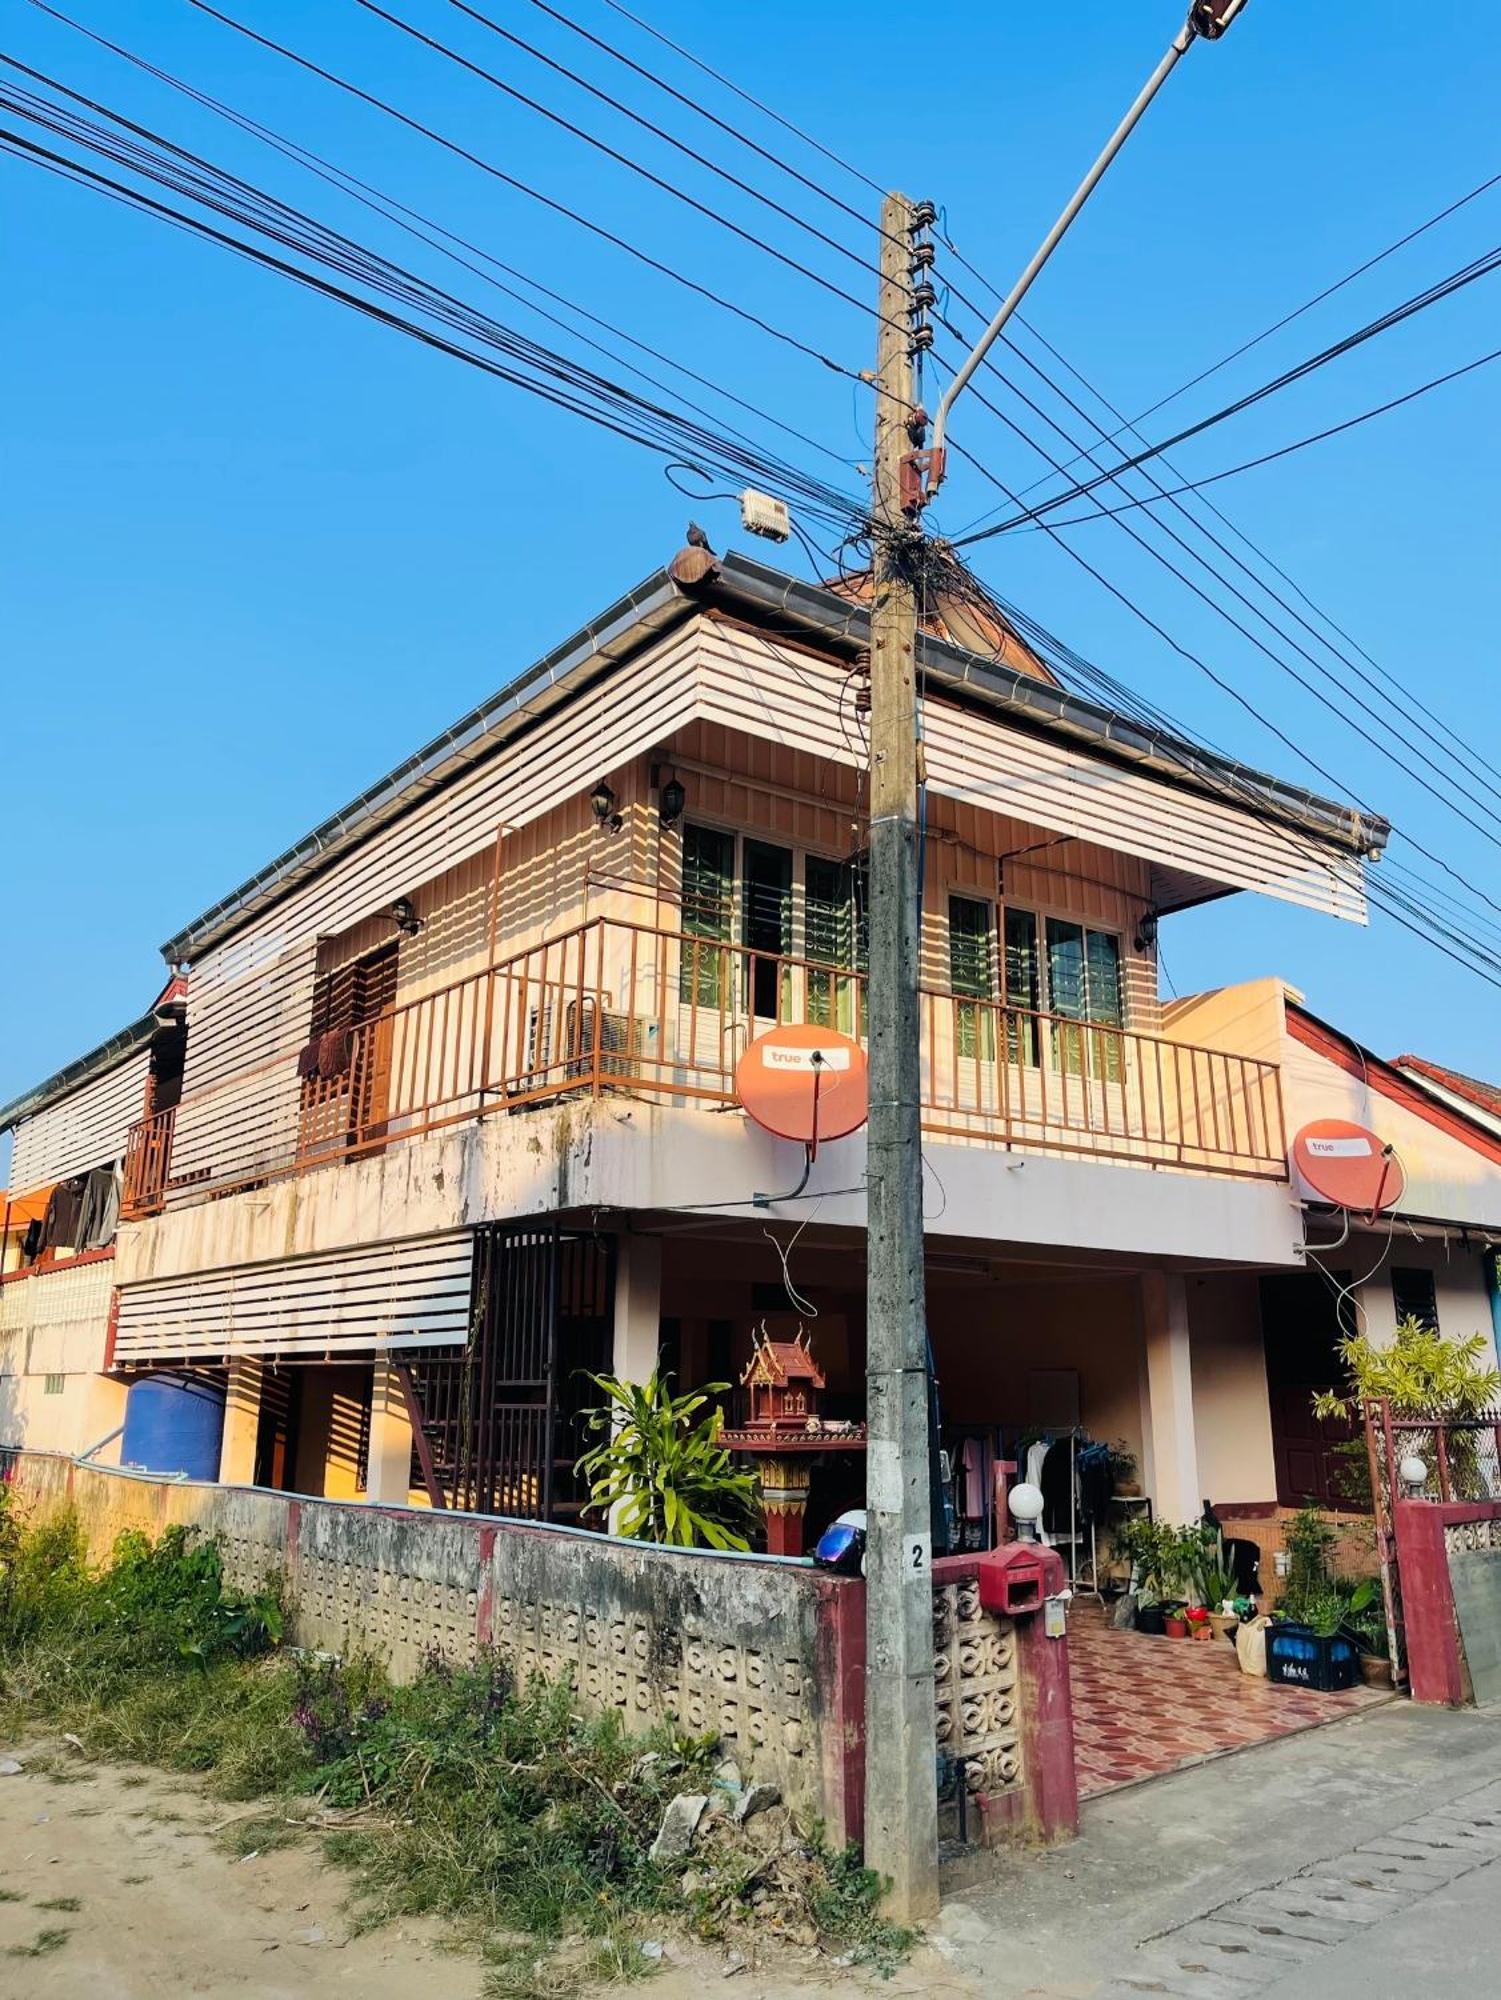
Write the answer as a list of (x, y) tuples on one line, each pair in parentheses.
[(1145, 1706)]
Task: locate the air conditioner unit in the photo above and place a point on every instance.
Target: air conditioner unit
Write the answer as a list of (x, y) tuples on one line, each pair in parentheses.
[(560, 1043)]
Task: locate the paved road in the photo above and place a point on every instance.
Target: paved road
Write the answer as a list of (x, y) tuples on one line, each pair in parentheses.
[(1355, 1860)]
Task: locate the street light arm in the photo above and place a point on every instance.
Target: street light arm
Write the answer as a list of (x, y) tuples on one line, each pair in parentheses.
[(1210, 21)]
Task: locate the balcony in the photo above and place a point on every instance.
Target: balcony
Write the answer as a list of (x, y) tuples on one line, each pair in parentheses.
[(614, 1006)]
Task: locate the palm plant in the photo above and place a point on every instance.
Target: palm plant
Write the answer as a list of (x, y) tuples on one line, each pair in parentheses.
[(659, 1470)]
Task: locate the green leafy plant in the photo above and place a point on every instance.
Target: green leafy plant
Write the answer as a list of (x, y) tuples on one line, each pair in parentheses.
[(1214, 1579), (1122, 1464), (1308, 1539), (660, 1472), (1162, 1558), (1422, 1373), (1365, 1617)]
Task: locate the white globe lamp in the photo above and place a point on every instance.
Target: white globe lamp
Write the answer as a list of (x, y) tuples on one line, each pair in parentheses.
[(1026, 1504), (1413, 1473)]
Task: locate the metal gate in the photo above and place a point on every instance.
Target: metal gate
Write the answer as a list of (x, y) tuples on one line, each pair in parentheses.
[(497, 1429), (1461, 1460)]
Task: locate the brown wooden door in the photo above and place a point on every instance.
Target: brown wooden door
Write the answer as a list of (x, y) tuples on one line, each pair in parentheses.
[(1301, 1321)]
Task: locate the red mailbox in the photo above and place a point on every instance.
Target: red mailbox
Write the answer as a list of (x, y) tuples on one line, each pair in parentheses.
[(1017, 1577)]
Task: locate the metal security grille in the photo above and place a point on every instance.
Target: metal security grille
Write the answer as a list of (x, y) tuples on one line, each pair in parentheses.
[(500, 1426)]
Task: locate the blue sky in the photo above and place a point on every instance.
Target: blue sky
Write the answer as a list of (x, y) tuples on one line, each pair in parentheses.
[(254, 549)]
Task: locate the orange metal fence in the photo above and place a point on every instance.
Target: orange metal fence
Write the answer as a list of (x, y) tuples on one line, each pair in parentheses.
[(620, 1006)]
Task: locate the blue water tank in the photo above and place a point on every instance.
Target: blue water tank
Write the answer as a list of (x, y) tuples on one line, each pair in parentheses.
[(174, 1423)]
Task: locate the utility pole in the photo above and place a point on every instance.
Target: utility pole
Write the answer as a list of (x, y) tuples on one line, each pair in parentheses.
[(901, 1801)]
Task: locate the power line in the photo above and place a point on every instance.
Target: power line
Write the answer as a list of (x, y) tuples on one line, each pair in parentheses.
[(1480, 267), (744, 95), (1413, 701), (518, 186), (1251, 464), (657, 131), (1406, 747), (394, 210), (612, 152), (1308, 305), (560, 381)]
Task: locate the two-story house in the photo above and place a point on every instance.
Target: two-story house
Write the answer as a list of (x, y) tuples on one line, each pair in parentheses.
[(458, 1122)]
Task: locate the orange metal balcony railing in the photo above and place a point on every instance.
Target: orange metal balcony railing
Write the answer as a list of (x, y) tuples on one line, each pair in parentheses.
[(618, 1006), (147, 1151)]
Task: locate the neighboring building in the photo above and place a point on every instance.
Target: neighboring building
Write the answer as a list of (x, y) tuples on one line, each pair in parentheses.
[(1478, 1101), (458, 1123), (1432, 1257), (58, 1226)]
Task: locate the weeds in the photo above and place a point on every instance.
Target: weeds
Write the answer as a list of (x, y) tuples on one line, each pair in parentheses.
[(44, 1943), (499, 1808), (63, 1905)]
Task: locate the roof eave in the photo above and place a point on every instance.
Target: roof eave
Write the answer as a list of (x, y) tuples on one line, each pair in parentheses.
[(109, 1055), (820, 614)]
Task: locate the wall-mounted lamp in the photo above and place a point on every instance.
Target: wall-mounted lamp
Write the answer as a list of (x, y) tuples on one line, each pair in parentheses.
[(603, 804), (403, 914), (1146, 931), (671, 801)]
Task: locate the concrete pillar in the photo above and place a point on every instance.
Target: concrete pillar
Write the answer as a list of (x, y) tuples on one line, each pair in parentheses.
[(390, 1472), (638, 1307), (1170, 1398), (242, 1419)]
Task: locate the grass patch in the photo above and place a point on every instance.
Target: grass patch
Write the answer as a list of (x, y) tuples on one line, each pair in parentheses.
[(64, 1905), (262, 1833), (498, 1808), (10, 1895), (42, 1945)]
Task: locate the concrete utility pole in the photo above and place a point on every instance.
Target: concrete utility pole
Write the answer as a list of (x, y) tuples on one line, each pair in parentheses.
[(901, 1802)]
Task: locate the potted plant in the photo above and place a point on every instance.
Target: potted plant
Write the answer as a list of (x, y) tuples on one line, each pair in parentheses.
[(1365, 1624), (1215, 1582), (1123, 1468), (1146, 1547), (1175, 1621), (660, 1472), (1197, 1620)]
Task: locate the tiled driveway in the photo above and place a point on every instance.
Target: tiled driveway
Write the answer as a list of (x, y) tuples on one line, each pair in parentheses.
[(1143, 1706)]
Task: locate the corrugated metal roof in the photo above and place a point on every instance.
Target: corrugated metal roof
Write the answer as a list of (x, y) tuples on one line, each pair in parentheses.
[(765, 597)]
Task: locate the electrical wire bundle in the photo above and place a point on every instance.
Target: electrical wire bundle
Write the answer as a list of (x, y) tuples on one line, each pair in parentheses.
[(682, 428)]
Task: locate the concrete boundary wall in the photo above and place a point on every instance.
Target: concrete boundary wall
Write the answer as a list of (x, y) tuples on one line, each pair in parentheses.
[(768, 1655), (758, 1651)]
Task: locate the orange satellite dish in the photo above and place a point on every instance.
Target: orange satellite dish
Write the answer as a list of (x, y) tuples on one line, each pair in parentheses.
[(1349, 1166), (804, 1083)]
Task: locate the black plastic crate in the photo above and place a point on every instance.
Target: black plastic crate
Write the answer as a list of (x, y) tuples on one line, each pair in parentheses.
[(1297, 1656)]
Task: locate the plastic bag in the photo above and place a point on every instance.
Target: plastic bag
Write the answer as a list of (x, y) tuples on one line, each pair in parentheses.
[(1250, 1646)]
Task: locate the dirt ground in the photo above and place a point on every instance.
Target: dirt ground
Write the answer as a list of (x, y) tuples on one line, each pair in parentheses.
[(113, 1884), (122, 1884)]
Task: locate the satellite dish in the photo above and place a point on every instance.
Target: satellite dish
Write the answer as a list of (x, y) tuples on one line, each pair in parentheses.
[(804, 1083), (1349, 1166)]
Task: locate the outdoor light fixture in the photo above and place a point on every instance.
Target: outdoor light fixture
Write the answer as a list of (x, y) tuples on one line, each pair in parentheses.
[(1146, 932), (603, 804), (404, 915), (1210, 18), (1026, 1504), (671, 802), (1413, 1473)]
